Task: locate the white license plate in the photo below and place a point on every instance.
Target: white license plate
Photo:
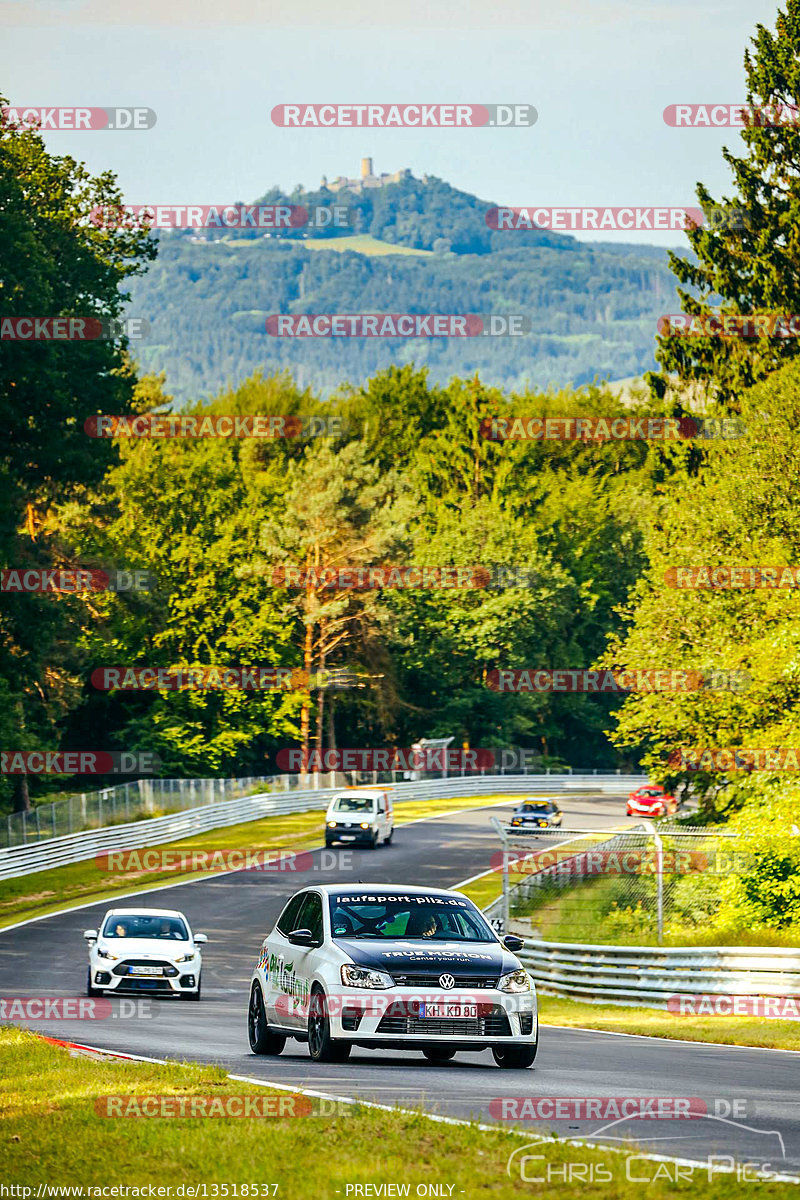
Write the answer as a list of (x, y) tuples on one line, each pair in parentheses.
[(447, 1011), (347, 837), (146, 970)]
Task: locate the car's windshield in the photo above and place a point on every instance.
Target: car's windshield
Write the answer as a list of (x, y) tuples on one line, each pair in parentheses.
[(357, 804), (436, 918), (538, 806), (141, 925), (648, 792)]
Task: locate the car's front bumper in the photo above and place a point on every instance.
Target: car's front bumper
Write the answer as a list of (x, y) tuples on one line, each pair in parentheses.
[(103, 977), (393, 1017)]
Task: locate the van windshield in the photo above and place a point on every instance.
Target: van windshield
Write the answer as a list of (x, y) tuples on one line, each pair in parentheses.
[(356, 804)]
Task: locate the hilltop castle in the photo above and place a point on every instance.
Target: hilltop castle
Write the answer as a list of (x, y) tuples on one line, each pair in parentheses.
[(368, 179)]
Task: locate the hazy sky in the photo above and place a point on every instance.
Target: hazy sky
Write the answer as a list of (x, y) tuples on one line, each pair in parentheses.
[(599, 74)]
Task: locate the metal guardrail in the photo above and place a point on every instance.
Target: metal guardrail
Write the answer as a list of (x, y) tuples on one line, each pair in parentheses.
[(648, 976), (77, 847), (145, 798)]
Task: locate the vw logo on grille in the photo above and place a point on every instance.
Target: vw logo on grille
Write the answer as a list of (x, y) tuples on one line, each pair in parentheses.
[(447, 981)]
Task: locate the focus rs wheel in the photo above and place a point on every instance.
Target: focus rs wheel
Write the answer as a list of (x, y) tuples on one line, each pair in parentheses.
[(321, 1045), (517, 1057), (91, 991), (262, 1041)]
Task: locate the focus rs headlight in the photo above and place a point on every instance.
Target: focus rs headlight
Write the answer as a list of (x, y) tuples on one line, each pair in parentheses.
[(515, 981), (363, 977), (186, 957), (107, 954)]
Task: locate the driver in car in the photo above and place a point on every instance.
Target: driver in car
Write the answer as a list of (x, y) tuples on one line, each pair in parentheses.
[(421, 924)]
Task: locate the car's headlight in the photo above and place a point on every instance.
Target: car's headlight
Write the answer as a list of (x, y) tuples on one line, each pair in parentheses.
[(365, 824), (515, 981), (107, 954), (363, 977), (186, 957), (332, 824)]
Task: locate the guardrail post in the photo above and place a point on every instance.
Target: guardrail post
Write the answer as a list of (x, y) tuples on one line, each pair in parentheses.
[(53, 815), (38, 824), (659, 879)]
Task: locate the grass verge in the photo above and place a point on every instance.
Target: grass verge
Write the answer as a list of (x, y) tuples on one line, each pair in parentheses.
[(733, 1031), (50, 1133), (49, 891)]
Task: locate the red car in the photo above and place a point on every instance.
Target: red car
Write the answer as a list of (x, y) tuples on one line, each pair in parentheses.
[(651, 801)]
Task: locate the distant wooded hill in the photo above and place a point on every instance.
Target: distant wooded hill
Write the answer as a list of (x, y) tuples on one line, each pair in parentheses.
[(592, 308)]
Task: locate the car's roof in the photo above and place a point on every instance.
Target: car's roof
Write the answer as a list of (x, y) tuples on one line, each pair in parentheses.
[(369, 793), (358, 889), (145, 912)]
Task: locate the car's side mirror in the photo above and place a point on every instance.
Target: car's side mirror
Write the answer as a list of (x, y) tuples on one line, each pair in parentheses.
[(200, 939), (90, 935), (301, 937), (513, 943)]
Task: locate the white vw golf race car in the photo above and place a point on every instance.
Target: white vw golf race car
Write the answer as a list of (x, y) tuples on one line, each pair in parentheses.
[(144, 950), (394, 967)]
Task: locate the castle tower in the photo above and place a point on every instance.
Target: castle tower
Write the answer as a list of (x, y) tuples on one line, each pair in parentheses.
[(366, 168)]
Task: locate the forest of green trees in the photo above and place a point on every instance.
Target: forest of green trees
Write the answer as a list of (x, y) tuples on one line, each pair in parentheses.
[(410, 479)]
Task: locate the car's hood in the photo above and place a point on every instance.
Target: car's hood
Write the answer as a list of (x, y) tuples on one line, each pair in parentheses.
[(145, 947), (457, 958)]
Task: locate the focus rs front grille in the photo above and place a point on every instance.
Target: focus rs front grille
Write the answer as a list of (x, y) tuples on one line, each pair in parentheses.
[(493, 1024), (123, 968)]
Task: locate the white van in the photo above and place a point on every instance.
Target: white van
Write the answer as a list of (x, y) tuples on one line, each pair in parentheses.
[(363, 816)]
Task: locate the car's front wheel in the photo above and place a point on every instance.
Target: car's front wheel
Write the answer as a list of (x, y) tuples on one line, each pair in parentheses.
[(321, 1046), (91, 991), (515, 1057), (262, 1040)]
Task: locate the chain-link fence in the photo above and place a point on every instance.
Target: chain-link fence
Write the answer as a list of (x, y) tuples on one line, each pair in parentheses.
[(655, 882)]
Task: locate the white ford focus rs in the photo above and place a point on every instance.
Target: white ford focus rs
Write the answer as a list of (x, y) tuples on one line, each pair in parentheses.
[(144, 950), (394, 967)]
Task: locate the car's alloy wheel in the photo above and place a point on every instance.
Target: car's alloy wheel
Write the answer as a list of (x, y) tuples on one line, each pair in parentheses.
[(439, 1053), (321, 1045), (516, 1057), (262, 1040)]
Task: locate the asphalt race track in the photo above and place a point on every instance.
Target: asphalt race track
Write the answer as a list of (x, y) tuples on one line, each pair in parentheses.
[(48, 958)]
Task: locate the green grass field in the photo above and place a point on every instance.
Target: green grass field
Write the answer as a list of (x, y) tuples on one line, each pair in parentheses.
[(733, 1031), (364, 243), (51, 1133)]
